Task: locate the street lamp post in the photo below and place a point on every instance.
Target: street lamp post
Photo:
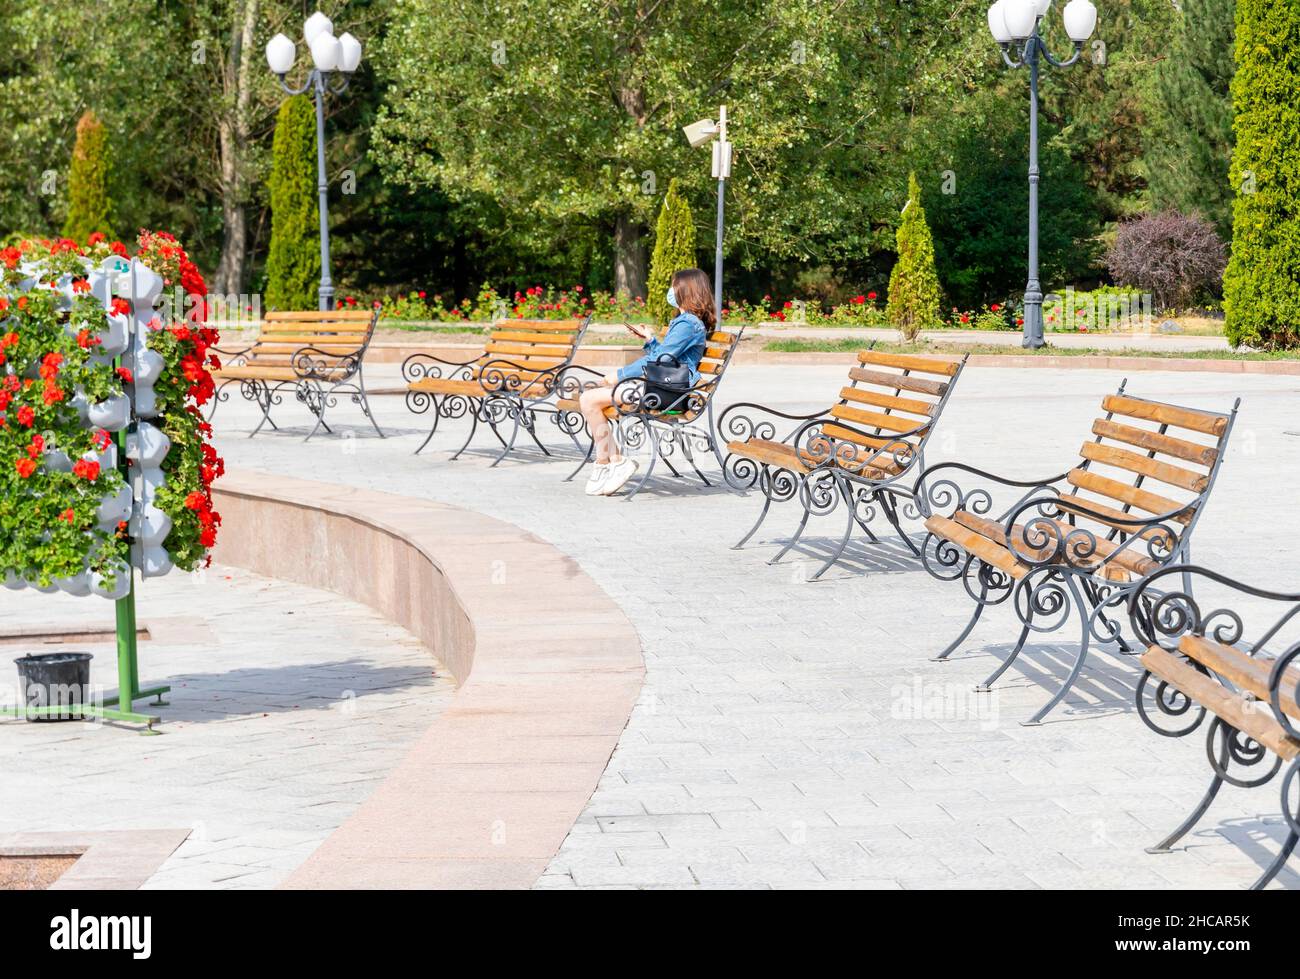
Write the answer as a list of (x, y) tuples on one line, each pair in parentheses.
[(1017, 22), (333, 58), (698, 134)]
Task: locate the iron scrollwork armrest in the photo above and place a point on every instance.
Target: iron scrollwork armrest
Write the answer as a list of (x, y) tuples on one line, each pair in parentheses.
[(1048, 536), (895, 455), (419, 367), (630, 401), (1165, 617), (935, 494), (314, 364), (505, 378), (737, 424), (570, 384)]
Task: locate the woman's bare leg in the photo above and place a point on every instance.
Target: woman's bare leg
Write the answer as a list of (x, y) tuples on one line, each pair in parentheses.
[(593, 404)]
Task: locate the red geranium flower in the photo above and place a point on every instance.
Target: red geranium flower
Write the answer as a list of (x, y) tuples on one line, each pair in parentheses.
[(67, 516), (25, 467), (26, 416), (871, 296), (87, 469)]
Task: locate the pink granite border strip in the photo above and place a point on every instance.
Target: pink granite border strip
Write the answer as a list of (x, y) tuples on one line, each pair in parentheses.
[(548, 669), (109, 860)]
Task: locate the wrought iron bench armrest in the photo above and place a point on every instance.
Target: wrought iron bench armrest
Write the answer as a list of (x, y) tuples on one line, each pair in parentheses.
[(847, 455), (1041, 540), (331, 367), (502, 377), (571, 386), (627, 401), (742, 428), (419, 366)]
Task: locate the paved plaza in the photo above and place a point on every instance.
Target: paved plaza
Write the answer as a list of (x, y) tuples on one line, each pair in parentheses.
[(288, 707), (790, 734)]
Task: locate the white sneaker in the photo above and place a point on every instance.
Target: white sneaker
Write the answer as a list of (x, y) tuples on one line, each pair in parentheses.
[(619, 473), (599, 472)]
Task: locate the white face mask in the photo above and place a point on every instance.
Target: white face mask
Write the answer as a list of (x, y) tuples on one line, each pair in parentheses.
[(671, 298)]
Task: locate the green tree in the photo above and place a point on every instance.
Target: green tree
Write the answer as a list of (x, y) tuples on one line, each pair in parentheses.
[(566, 108), (1187, 144), (1261, 288), (674, 250), (293, 259), (89, 208), (914, 284)]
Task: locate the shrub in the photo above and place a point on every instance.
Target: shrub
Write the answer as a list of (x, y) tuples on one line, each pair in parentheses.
[(293, 258), (90, 210), (914, 285), (674, 250), (1261, 289), (1173, 256)]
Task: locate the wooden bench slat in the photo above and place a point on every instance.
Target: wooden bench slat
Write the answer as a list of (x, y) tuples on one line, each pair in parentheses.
[(875, 442), (1203, 455), (864, 396), (529, 336), (555, 351), (977, 545), (899, 382), (910, 362), (541, 326), (1243, 670), (307, 315), (1206, 422), (1109, 516), (1153, 503), (1215, 697), (872, 419), (1164, 472)]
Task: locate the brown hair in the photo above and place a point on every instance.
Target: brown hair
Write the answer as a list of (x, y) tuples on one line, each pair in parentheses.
[(694, 294)]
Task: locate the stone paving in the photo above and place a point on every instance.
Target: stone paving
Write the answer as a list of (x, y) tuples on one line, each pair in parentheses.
[(288, 707), (796, 734)]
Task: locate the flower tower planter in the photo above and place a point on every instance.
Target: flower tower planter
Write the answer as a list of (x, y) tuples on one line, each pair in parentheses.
[(105, 465)]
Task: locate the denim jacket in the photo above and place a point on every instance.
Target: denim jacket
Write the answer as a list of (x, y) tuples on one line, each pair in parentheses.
[(684, 340)]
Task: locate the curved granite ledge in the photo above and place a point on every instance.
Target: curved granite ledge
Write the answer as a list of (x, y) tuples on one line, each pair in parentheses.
[(548, 670)]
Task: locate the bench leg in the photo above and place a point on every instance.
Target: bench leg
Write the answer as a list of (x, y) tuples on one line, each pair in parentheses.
[(515, 412), (891, 514), (591, 448), (473, 427), (970, 626), (316, 399), (765, 479), (1084, 641), (690, 457), (849, 521), (365, 402), (1278, 863), (653, 439), (530, 426), (1185, 827), (260, 392), (794, 539), (866, 527), (437, 411), (987, 685)]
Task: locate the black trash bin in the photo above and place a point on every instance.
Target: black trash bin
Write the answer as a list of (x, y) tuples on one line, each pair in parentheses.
[(54, 680)]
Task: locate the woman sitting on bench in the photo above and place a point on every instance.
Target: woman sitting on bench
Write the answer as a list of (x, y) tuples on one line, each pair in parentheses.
[(692, 296)]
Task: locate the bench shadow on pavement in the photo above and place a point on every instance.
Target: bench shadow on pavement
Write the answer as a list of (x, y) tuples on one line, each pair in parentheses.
[(245, 693)]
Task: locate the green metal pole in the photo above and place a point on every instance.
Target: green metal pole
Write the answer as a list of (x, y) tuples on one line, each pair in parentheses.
[(128, 676)]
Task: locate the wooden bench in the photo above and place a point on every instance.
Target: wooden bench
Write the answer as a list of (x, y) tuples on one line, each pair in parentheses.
[(1083, 540), (1247, 689), (858, 452), (686, 424), (316, 353), (514, 380)]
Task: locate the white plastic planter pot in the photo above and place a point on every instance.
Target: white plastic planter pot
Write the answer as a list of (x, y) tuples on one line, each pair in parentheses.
[(57, 461), (149, 366), (114, 340), (147, 446), (82, 405), (150, 526), (146, 403), (115, 508), (13, 582), (153, 561), (78, 585), (112, 415), (49, 589), (118, 589)]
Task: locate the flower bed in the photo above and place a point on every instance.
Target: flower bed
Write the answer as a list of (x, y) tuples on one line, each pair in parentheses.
[(63, 501)]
